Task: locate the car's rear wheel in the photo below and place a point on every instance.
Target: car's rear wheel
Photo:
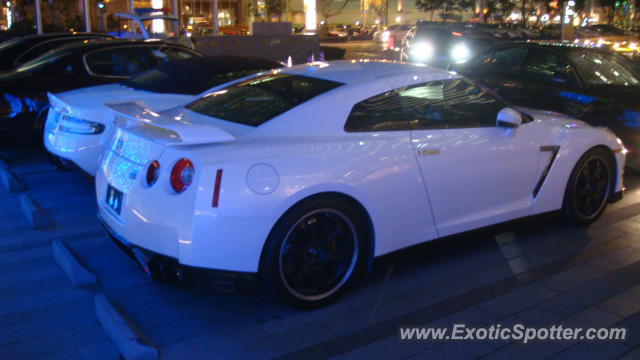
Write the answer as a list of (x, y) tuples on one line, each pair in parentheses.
[(589, 186), (314, 251)]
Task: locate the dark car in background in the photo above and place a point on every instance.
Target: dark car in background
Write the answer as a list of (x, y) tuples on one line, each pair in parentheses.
[(596, 85), (17, 51), (440, 46), (23, 91)]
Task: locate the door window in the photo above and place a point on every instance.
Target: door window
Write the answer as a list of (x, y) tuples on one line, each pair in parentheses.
[(455, 103), (549, 68), (382, 112), (504, 62), (120, 62)]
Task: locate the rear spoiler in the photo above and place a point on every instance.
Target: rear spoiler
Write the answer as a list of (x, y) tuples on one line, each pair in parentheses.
[(174, 131)]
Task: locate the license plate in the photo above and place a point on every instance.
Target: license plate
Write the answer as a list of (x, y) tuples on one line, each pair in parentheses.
[(114, 199)]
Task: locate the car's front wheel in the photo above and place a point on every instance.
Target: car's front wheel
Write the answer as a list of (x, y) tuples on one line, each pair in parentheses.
[(314, 251), (589, 186)]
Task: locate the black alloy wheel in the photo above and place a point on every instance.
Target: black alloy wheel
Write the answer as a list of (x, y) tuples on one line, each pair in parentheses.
[(314, 252), (589, 187), (318, 255)]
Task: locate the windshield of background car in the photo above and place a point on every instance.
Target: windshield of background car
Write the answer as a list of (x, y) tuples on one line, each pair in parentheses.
[(605, 68), (259, 99)]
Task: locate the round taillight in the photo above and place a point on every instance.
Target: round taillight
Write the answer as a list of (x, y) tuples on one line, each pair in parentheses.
[(182, 175), (153, 171)]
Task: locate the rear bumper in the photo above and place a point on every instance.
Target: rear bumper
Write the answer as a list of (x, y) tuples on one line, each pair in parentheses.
[(82, 150), (167, 269)]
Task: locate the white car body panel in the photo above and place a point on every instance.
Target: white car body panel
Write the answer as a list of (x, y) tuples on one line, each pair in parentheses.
[(305, 151), (91, 104)]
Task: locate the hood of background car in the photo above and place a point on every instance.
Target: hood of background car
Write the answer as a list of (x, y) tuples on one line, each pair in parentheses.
[(553, 118)]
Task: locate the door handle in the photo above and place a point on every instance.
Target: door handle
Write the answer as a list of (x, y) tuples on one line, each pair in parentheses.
[(429, 152)]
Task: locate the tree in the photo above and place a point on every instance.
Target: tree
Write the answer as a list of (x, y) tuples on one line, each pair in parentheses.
[(275, 7), (609, 7), (429, 6), (452, 9), (500, 7), (330, 8)]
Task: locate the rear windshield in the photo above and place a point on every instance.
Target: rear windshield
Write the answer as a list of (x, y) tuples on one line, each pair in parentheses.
[(258, 100)]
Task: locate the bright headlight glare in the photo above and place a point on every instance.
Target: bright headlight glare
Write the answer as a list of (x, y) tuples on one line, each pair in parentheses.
[(460, 53), (421, 51), (385, 36), (74, 125)]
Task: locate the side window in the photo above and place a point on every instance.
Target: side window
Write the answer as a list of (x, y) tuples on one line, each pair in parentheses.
[(379, 113), (121, 62), (449, 104), (509, 62), (546, 67)]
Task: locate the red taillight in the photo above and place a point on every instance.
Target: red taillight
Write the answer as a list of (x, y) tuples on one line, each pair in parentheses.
[(216, 188), (391, 43), (153, 171), (454, 33), (182, 175)]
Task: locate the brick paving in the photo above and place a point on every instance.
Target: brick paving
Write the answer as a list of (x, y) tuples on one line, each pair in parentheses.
[(536, 272)]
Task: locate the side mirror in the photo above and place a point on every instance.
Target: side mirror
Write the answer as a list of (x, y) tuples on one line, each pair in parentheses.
[(509, 118)]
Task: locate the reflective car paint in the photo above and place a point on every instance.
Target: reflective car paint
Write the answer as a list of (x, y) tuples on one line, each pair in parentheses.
[(312, 154)]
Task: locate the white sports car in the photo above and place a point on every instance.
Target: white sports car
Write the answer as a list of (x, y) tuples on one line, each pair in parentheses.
[(79, 121), (304, 175)]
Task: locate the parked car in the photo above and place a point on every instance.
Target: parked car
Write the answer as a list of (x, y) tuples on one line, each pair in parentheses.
[(79, 122), (595, 85), (299, 178), (23, 100), (19, 50)]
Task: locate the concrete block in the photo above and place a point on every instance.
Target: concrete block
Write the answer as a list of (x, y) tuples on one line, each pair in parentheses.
[(124, 333), (71, 266), (9, 180), (38, 217)]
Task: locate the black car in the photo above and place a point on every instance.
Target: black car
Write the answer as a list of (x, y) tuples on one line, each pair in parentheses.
[(23, 99), (195, 75), (596, 85), (19, 50), (440, 46)]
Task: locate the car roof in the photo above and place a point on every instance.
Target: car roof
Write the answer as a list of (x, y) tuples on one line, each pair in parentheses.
[(351, 71), (108, 43), (48, 36), (562, 46)]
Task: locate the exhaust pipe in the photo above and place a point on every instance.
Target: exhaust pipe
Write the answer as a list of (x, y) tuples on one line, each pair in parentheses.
[(161, 270)]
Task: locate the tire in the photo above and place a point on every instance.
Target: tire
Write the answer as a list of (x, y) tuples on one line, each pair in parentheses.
[(589, 186), (314, 252)]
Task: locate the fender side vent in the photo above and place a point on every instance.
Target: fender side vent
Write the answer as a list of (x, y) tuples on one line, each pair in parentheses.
[(553, 149)]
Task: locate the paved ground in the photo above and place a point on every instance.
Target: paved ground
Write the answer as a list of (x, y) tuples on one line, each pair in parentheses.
[(534, 272)]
